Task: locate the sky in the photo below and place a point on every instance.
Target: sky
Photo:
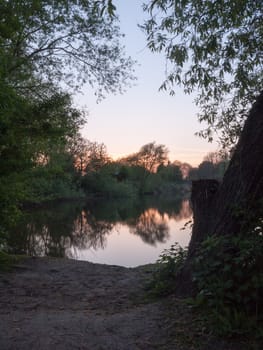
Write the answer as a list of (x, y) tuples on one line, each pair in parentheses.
[(125, 122)]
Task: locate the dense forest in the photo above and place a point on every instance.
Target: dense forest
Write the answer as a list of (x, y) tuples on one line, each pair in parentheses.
[(48, 50)]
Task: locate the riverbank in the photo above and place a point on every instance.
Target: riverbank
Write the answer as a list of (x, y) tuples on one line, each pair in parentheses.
[(61, 304)]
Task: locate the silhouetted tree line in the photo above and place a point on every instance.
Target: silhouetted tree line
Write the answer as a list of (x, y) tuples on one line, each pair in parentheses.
[(147, 171), (213, 166)]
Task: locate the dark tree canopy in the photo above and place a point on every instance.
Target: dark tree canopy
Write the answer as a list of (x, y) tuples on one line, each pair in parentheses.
[(213, 48), (48, 49), (149, 157)]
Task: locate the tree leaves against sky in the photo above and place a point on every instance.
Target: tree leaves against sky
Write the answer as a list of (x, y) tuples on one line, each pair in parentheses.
[(214, 49)]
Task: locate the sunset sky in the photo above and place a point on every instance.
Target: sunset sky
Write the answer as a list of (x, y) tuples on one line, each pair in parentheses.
[(143, 114)]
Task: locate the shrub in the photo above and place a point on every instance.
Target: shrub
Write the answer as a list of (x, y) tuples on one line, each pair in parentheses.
[(228, 272), (168, 267)]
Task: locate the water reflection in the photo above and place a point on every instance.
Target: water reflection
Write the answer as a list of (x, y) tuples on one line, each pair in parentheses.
[(69, 228), (151, 226), (89, 232)]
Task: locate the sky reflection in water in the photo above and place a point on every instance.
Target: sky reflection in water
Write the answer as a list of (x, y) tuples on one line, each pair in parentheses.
[(122, 232)]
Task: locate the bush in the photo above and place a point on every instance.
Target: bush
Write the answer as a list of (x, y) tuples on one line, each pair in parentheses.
[(106, 185), (168, 267), (228, 272)]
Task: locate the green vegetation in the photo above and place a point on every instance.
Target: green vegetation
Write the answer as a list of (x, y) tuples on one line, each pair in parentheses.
[(168, 267), (228, 278), (45, 46), (213, 166), (145, 172), (214, 49)]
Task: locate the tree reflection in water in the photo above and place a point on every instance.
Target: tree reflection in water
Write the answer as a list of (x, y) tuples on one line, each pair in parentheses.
[(64, 228), (90, 232), (151, 226)]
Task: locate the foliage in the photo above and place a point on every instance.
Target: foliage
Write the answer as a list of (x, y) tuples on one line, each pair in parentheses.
[(103, 184), (49, 183), (228, 272), (144, 172), (11, 193), (170, 172), (213, 166), (215, 48), (103, 178), (169, 265), (46, 46), (44, 43), (228, 276), (149, 157), (30, 130)]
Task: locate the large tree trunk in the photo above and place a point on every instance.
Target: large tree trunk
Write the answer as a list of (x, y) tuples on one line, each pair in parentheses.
[(202, 198), (224, 209)]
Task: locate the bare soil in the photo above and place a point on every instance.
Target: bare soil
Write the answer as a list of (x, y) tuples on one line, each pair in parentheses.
[(61, 304)]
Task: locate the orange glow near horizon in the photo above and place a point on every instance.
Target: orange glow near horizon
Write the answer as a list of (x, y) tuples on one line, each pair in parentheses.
[(143, 114), (192, 157)]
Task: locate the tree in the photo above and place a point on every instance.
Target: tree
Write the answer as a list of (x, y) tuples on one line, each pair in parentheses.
[(96, 157), (170, 172), (149, 157), (78, 148), (45, 47), (215, 48), (44, 43)]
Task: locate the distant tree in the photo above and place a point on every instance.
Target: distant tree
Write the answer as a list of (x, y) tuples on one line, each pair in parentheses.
[(220, 161), (96, 156), (149, 157), (78, 148), (217, 157), (206, 170), (170, 172), (213, 166), (193, 174), (185, 168)]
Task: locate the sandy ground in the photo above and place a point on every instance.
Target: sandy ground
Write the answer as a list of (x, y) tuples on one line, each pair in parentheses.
[(48, 303)]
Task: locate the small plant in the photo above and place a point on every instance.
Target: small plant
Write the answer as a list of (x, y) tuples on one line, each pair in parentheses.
[(169, 265)]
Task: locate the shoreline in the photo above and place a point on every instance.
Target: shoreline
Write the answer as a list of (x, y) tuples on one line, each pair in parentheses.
[(63, 304)]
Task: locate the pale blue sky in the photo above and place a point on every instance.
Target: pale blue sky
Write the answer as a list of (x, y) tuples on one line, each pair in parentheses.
[(143, 114)]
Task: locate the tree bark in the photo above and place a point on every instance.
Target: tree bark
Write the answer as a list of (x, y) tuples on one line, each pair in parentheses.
[(227, 208), (241, 191), (202, 198)]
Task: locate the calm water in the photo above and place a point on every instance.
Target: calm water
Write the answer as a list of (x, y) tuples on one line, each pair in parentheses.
[(119, 232)]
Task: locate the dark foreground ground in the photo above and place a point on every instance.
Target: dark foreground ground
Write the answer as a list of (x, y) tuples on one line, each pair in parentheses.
[(65, 305)]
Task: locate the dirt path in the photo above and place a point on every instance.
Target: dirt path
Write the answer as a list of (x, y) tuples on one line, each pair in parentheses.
[(64, 304)]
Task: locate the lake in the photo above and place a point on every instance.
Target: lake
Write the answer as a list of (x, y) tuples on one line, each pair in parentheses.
[(127, 232)]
